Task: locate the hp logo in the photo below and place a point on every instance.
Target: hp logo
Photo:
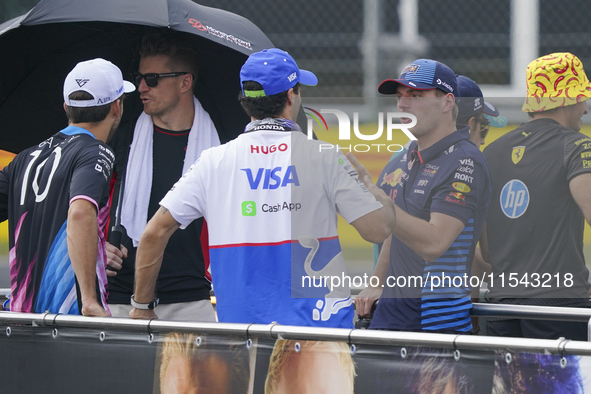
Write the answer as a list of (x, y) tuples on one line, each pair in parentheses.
[(514, 198)]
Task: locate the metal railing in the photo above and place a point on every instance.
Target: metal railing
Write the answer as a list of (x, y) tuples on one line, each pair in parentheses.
[(582, 315), (531, 312), (484, 310), (274, 331)]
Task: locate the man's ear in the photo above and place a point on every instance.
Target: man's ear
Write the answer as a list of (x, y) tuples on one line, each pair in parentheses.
[(472, 123), (65, 107), (187, 82), (117, 108), (290, 95), (450, 101)]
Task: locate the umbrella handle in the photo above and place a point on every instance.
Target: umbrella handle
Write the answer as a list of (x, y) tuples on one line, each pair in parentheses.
[(115, 236), (115, 239)]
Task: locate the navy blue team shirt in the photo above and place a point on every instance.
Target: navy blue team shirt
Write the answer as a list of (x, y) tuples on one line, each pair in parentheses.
[(450, 177)]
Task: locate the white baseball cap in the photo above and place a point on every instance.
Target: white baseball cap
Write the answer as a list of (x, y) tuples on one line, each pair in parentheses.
[(98, 77)]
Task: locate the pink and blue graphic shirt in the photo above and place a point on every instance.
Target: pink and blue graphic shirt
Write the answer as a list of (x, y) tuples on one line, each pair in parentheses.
[(36, 190)]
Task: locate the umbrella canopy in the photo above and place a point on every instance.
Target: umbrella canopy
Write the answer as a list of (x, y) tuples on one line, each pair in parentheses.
[(38, 49)]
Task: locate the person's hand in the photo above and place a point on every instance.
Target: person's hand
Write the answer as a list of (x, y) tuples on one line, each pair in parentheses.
[(365, 300), (115, 258), (145, 314), (378, 193), (366, 178), (361, 170), (93, 308)]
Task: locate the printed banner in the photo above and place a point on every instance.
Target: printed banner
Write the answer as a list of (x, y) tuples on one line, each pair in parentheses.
[(65, 360)]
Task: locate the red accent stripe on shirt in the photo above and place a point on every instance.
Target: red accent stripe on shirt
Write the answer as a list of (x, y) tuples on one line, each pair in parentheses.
[(164, 132), (266, 243), (111, 192), (204, 238)]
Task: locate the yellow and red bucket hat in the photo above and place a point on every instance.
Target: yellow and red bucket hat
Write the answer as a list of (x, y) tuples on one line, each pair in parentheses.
[(555, 80)]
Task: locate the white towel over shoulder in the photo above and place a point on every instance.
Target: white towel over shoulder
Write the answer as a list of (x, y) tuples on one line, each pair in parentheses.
[(138, 179)]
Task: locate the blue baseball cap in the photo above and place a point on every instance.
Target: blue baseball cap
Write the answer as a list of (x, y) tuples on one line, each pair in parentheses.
[(275, 70), (471, 102), (422, 74)]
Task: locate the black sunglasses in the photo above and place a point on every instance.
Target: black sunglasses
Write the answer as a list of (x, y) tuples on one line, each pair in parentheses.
[(152, 78)]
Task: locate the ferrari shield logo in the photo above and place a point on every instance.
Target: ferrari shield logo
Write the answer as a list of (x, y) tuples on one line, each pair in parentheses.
[(517, 154)]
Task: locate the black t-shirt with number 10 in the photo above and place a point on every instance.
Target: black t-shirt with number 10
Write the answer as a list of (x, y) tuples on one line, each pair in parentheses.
[(36, 190)]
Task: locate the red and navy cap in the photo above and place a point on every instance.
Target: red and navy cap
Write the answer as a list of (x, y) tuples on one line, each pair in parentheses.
[(423, 74)]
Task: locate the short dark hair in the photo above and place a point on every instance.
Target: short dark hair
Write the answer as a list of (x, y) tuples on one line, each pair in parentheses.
[(479, 118), (265, 106), (86, 114), (463, 120), (182, 54)]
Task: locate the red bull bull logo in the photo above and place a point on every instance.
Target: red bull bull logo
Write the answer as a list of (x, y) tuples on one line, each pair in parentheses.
[(411, 69), (458, 196), (393, 178)]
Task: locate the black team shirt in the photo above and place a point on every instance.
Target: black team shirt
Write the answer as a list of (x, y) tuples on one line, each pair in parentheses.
[(534, 226), (36, 190), (182, 276)]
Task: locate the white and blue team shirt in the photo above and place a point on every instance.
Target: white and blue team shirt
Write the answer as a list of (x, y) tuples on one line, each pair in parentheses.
[(271, 199), (450, 177)]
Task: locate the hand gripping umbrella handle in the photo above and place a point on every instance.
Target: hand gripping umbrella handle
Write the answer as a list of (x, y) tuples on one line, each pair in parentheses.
[(116, 230), (115, 235)]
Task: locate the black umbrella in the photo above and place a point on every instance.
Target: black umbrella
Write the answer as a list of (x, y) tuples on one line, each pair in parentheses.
[(38, 49)]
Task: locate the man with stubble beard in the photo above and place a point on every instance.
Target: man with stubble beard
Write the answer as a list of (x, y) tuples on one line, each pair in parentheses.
[(168, 138)]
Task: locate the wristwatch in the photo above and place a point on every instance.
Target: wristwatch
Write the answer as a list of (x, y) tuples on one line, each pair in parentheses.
[(150, 305)]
